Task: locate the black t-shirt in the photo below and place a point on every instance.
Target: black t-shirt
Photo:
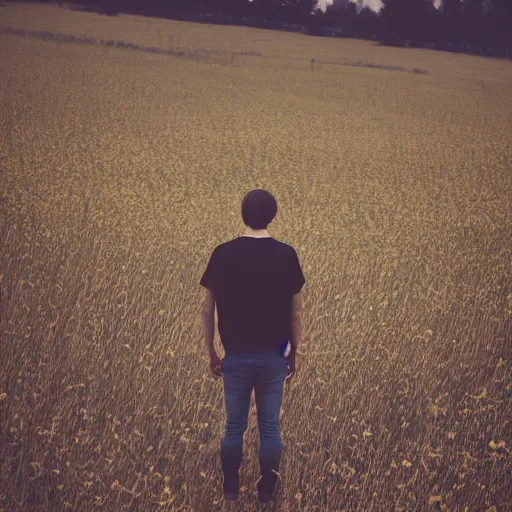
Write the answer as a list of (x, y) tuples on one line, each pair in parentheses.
[(253, 280)]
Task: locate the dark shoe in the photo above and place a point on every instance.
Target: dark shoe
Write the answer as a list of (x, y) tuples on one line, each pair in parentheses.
[(265, 495), (231, 489)]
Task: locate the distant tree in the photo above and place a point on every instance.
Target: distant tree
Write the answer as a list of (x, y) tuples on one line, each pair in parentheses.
[(394, 14), (421, 21), (368, 22), (451, 10), (472, 26), (451, 7), (367, 12), (406, 20), (239, 7), (472, 7), (342, 14), (315, 22), (339, 4), (500, 18), (300, 11), (340, 8), (266, 9)]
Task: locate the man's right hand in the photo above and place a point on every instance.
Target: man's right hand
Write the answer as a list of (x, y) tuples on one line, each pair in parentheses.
[(289, 354)]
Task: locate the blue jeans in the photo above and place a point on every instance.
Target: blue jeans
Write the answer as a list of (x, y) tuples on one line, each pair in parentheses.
[(266, 373)]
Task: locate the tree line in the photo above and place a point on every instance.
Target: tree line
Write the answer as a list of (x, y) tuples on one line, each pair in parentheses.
[(483, 24)]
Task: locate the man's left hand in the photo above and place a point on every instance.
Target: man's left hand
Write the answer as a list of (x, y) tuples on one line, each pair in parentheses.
[(215, 369)]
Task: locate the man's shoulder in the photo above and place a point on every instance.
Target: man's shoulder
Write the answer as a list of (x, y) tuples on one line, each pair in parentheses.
[(233, 243)]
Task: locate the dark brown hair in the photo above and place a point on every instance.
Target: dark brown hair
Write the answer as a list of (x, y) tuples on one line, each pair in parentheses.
[(259, 207)]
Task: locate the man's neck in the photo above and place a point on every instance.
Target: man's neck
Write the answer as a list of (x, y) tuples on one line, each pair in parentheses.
[(256, 233)]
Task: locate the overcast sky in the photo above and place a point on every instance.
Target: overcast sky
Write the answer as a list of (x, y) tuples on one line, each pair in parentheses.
[(374, 4)]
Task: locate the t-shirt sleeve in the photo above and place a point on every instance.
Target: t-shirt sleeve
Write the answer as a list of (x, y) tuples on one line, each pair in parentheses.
[(211, 275), (297, 279)]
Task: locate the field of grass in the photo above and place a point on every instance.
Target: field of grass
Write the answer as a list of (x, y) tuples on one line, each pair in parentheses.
[(121, 169)]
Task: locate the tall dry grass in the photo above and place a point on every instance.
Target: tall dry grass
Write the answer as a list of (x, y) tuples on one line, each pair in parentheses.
[(121, 171)]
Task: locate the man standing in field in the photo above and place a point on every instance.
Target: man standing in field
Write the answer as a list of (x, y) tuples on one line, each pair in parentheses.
[(255, 282)]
